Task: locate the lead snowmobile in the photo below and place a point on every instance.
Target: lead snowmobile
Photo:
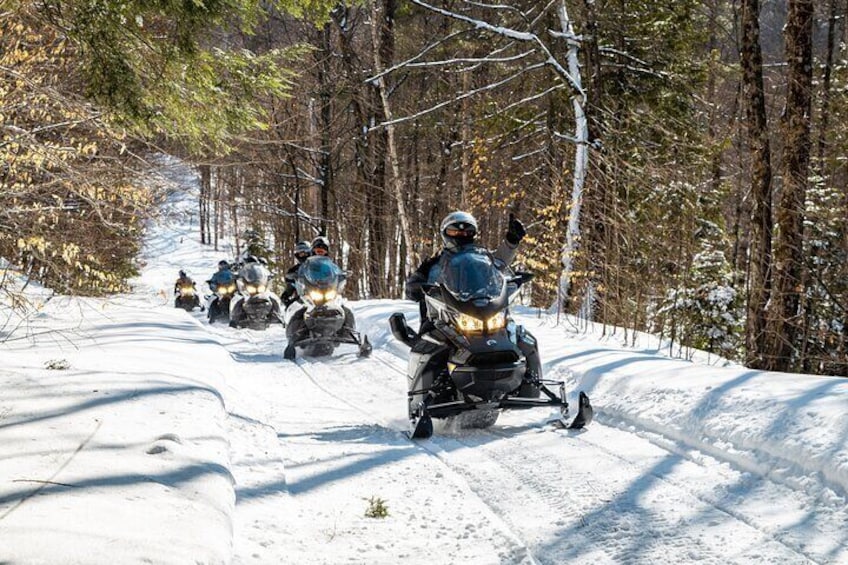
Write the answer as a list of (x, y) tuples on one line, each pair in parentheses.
[(323, 322), (468, 363), (256, 307)]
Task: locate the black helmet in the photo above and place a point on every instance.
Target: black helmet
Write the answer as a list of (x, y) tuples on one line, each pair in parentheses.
[(458, 228), (320, 245), (302, 250), (183, 274), (222, 264)]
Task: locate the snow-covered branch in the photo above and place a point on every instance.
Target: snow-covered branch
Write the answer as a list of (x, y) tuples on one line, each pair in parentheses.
[(463, 60), (411, 60), (463, 96), (512, 34)]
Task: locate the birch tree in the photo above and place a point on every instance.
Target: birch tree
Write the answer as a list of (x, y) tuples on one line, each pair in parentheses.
[(521, 62)]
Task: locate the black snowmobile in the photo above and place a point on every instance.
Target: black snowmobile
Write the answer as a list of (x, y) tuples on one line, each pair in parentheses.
[(219, 306), (256, 307), (323, 322), (186, 294), (187, 297), (470, 360)]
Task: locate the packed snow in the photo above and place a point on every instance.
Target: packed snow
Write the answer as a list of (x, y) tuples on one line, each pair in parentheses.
[(135, 432)]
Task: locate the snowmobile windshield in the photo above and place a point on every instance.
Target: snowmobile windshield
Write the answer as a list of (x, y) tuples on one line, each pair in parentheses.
[(472, 275), (255, 273), (320, 272)]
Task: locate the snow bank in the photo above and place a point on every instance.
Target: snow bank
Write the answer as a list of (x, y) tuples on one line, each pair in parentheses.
[(110, 454), (788, 427)]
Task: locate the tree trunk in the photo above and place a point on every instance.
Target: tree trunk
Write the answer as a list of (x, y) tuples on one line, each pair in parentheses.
[(581, 159), (205, 198), (383, 39), (759, 269), (325, 166), (783, 315), (824, 115)]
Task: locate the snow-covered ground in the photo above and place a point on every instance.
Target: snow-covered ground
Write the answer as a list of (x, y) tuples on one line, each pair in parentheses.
[(133, 432)]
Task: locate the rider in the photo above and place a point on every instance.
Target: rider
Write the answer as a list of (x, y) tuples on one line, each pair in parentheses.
[(222, 276), (186, 281), (183, 280), (459, 231), (321, 246), (302, 251)]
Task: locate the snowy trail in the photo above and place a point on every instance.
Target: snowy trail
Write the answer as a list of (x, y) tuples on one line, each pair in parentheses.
[(337, 456), (612, 494), (171, 440)]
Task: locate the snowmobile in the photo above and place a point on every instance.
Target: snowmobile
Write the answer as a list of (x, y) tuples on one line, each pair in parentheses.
[(470, 360), (219, 305), (187, 297), (255, 307), (322, 322)]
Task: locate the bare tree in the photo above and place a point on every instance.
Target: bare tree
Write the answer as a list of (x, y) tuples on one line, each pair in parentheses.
[(783, 315), (759, 270)]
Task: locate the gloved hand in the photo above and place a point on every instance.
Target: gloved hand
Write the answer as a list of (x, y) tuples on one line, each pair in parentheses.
[(515, 231)]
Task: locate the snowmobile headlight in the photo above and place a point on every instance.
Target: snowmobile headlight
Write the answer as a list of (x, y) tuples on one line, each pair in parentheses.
[(496, 322), (260, 288), (316, 295), (467, 324), (330, 294), (252, 289), (186, 291)]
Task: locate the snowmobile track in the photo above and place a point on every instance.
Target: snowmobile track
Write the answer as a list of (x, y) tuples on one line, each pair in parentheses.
[(724, 508), (457, 475), (563, 505)]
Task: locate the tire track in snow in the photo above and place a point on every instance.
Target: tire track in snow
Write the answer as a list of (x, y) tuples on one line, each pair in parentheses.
[(559, 502), (674, 450), (457, 477)]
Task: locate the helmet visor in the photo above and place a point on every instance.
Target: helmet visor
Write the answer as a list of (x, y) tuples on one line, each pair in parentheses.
[(464, 233)]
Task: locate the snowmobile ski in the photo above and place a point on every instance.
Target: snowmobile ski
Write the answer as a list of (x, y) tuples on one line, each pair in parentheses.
[(584, 416)]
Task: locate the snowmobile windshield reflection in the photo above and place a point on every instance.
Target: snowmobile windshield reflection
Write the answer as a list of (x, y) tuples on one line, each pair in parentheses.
[(320, 273), (470, 275)]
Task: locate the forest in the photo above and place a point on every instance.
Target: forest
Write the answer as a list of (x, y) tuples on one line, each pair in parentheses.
[(680, 165)]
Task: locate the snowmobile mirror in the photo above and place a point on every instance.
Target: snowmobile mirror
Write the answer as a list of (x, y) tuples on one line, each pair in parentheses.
[(401, 330)]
